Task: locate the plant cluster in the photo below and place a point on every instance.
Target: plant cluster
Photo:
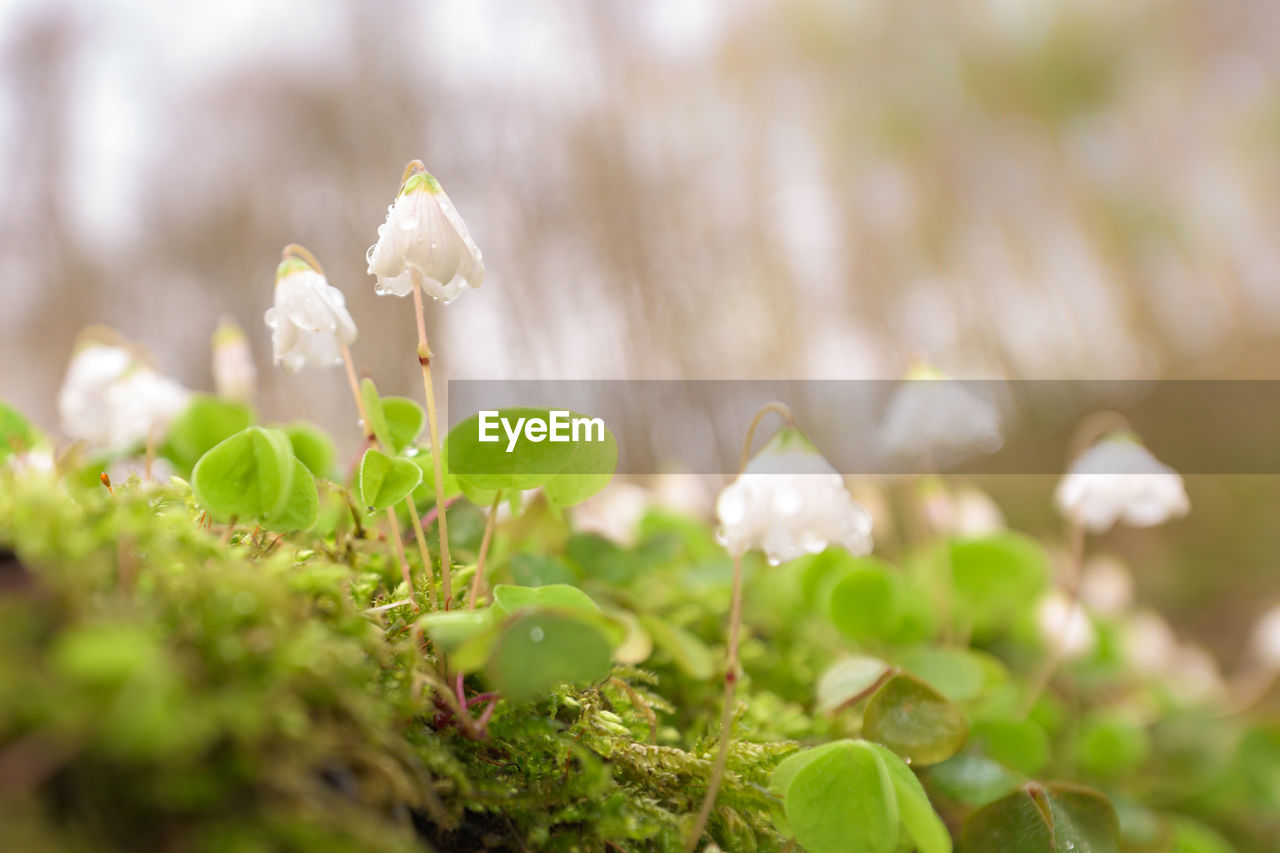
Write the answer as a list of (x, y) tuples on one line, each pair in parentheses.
[(264, 649)]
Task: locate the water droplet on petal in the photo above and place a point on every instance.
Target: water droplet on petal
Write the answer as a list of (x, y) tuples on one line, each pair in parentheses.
[(408, 223)]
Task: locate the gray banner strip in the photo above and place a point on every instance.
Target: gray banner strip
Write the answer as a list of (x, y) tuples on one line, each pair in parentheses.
[(889, 427)]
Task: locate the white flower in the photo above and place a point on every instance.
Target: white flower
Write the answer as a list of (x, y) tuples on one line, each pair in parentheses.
[(112, 400), (234, 375), (425, 237), (788, 502), (1194, 675), (1062, 621), (1148, 642), (309, 322), (968, 512), (1106, 585), (615, 512), (1266, 639), (1119, 480), (938, 422)]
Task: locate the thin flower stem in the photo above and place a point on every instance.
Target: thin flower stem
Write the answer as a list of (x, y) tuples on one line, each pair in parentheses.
[(404, 563), (367, 424), (778, 408), (423, 551), (1070, 586), (726, 714), (411, 168), (151, 455), (433, 427), (302, 252), (484, 550), (231, 527)]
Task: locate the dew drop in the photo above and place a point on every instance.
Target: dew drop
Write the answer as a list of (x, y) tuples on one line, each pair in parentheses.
[(408, 223), (536, 634)]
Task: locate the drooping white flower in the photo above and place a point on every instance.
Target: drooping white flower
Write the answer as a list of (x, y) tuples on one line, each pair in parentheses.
[(1266, 639), (309, 322), (112, 400), (234, 375), (1120, 480), (1106, 585), (935, 421), (1062, 621), (424, 237), (788, 502)]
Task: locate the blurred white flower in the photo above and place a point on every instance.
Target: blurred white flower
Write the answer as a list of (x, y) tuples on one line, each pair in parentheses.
[(425, 236), (614, 512), (1194, 675), (685, 493), (234, 375), (1148, 643), (1063, 623), (966, 512), (1106, 585), (1266, 639), (788, 502), (309, 322), (935, 421), (112, 400), (37, 460), (1119, 480)]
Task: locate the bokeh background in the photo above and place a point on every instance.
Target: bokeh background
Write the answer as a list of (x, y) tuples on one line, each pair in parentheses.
[(671, 189)]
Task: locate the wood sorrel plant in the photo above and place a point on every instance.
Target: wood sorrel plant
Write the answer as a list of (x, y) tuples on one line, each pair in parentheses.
[(425, 245), (787, 501)]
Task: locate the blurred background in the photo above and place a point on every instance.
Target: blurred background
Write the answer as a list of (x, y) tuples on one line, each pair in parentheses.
[(672, 189)]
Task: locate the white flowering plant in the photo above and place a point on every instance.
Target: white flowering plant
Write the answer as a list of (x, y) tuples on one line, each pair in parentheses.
[(220, 633)]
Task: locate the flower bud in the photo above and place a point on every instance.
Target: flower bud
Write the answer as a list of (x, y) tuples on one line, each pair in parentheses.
[(309, 322), (234, 375), (425, 239)]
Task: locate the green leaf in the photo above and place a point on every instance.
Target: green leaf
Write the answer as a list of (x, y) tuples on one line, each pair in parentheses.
[(16, 432), (426, 491), (1044, 819), (507, 599), (842, 801), (1111, 743), (973, 779), (377, 417), (690, 655), (847, 681), (996, 577), (539, 650), (312, 446), (866, 603), (450, 630), (1191, 836), (204, 423), (249, 475), (497, 464), (958, 674), (572, 489), (403, 419), (383, 480), (301, 507), (915, 721), (1020, 743), (918, 816)]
